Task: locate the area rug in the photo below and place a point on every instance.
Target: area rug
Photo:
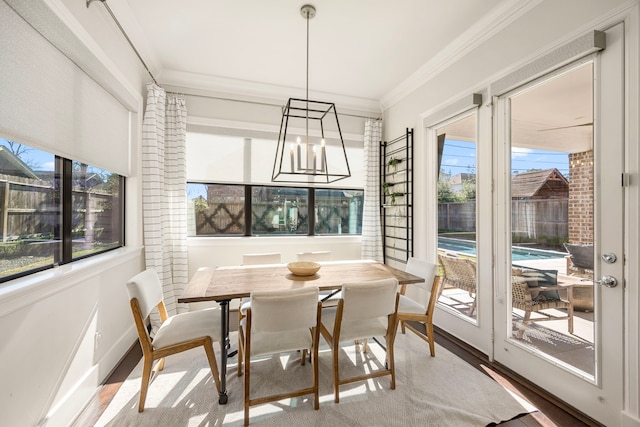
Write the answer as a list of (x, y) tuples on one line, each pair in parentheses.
[(439, 391)]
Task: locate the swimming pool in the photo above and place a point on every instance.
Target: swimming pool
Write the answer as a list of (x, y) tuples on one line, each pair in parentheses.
[(517, 253)]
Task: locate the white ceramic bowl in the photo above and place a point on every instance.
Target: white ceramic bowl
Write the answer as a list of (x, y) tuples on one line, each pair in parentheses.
[(303, 268)]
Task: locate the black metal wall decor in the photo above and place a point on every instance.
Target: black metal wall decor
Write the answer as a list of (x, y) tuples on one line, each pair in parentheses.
[(396, 195)]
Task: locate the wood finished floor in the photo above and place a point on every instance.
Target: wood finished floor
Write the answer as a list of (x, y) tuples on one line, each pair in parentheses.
[(551, 411)]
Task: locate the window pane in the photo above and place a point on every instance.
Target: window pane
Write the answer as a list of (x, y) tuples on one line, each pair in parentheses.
[(96, 223), (279, 210), (339, 211), (29, 203), (215, 209), (457, 255)]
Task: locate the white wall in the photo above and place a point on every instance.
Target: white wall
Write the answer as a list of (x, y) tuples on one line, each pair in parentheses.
[(65, 329), (547, 25)]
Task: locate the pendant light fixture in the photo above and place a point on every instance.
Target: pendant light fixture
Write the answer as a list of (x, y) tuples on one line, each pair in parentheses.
[(310, 145)]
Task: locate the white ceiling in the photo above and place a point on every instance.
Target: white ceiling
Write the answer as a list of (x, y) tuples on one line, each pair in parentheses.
[(360, 50), (364, 54)]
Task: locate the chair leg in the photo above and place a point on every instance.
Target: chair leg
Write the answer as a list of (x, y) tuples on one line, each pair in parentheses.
[(208, 348), (391, 361), (432, 346), (570, 313), (364, 345), (336, 369), (247, 375), (304, 356), (402, 327), (146, 376), (523, 325), (240, 344), (314, 364)]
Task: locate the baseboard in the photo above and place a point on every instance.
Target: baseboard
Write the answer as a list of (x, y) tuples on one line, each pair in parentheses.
[(72, 405)]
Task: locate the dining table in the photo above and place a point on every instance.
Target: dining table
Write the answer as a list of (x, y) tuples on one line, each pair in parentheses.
[(223, 284)]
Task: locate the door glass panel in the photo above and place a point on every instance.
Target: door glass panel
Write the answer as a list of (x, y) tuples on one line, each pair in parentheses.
[(457, 214), (552, 220)]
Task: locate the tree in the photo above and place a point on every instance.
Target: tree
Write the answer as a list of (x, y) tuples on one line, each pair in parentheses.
[(22, 152), (445, 193)]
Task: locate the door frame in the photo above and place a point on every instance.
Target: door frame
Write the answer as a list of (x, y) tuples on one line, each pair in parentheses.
[(601, 396)]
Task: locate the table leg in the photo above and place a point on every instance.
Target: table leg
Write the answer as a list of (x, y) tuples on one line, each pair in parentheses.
[(224, 315)]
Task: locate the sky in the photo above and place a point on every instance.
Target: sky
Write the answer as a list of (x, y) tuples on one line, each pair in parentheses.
[(41, 161), (460, 157)]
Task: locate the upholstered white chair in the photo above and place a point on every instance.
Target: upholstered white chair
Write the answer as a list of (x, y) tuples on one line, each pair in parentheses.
[(366, 309), (418, 301), (278, 322), (314, 256), (255, 259), (264, 258), (176, 334)]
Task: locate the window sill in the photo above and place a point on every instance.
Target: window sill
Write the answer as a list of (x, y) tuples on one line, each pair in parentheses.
[(17, 293)]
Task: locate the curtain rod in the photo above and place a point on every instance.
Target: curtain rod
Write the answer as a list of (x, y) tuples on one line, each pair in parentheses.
[(268, 104), (104, 2)]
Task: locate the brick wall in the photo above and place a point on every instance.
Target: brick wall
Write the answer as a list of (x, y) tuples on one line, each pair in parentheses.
[(581, 197)]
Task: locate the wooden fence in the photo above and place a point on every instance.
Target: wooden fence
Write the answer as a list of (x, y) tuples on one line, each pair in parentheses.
[(531, 219)]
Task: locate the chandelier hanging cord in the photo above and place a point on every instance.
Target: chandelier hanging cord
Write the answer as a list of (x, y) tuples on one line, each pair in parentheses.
[(308, 12)]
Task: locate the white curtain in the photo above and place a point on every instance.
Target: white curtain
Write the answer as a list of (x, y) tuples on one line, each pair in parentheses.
[(164, 199), (371, 224)]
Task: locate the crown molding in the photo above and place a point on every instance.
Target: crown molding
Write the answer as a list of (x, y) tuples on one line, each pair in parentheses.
[(480, 32), (263, 90)]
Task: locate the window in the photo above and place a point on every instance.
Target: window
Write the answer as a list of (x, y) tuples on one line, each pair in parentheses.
[(227, 209), (339, 211), (279, 210), (54, 210)]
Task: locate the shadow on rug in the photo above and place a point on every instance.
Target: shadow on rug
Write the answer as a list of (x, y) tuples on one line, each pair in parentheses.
[(429, 391)]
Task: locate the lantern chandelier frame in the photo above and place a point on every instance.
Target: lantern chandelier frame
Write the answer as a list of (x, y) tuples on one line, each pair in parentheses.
[(304, 123)]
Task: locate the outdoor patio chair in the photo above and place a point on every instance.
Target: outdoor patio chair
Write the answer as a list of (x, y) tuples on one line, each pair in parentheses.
[(279, 322), (418, 301), (460, 273), (580, 260), (176, 334), (366, 309), (531, 296)]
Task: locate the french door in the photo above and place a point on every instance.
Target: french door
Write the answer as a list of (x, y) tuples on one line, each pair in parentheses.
[(558, 225)]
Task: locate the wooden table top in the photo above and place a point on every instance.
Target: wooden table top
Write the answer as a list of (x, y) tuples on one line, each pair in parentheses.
[(225, 283)]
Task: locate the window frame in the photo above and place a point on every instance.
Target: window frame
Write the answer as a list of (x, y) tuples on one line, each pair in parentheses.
[(63, 178), (248, 213)]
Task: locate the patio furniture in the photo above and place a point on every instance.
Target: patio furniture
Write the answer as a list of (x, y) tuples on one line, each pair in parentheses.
[(278, 322), (176, 333), (531, 295), (580, 260), (418, 302), (366, 309), (460, 273)]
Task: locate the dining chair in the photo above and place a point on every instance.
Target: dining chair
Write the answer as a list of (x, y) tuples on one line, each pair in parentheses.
[(176, 334), (255, 259), (366, 309), (417, 302), (262, 258), (314, 256), (279, 322)]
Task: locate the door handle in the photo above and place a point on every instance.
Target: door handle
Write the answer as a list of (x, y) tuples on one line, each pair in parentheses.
[(608, 281)]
